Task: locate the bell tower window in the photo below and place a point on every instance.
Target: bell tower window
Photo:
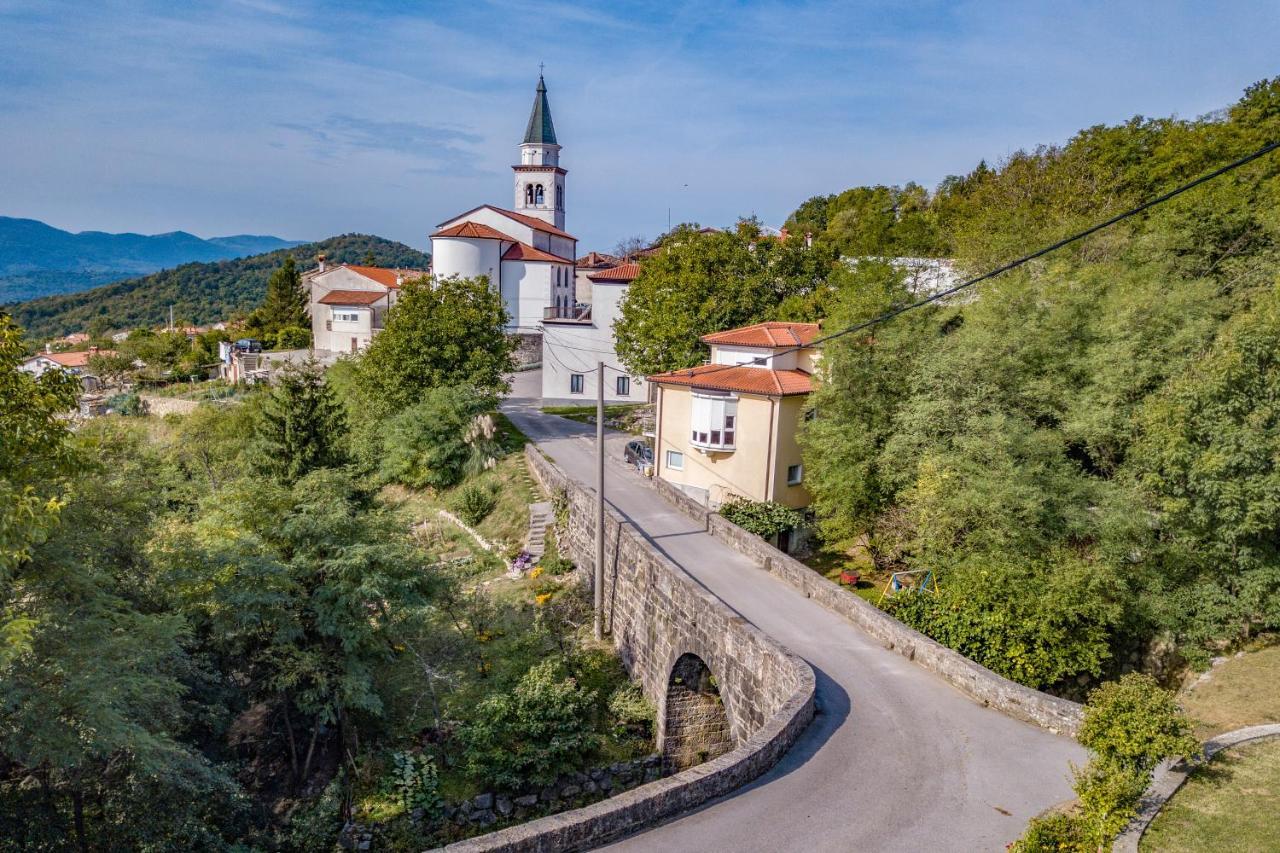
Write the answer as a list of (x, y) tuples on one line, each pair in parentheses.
[(528, 194), (559, 197), (538, 198)]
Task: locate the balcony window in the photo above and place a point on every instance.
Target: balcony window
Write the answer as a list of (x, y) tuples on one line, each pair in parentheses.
[(714, 422)]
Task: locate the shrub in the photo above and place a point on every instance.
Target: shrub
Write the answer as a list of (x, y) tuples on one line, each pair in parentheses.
[(557, 565), (532, 734), (765, 519), (474, 503), (292, 337), (417, 781), (128, 404), (431, 442), (1135, 724), (632, 711), (1056, 833)]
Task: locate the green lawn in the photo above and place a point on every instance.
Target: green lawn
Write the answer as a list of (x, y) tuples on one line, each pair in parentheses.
[(1243, 691), (618, 416), (1233, 804)]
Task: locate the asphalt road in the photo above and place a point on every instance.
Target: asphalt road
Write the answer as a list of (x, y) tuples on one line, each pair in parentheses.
[(896, 758)]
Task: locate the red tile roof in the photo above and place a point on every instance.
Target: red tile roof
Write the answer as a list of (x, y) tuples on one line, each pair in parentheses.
[(388, 278), (622, 272), (72, 359), (474, 229), (533, 222), (351, 297), (525, 252), (766, 335), (748, 380)]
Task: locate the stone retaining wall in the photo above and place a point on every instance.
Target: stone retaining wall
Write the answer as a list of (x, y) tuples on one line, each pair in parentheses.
[(656, 614), (1059, 716), (161, 406)]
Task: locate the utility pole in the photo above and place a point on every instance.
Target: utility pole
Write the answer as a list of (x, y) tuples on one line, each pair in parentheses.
[(599, 584), (171, 318)]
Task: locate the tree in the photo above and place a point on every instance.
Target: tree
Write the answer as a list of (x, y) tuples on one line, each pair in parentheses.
[(707, 282), (301, 427), (532, 734), (35, 461), (442, 332), (285, 305), (111, 367), (307, 589), (431, 442)]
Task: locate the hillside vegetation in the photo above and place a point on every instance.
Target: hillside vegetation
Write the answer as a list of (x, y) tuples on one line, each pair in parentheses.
[(1084, 450), (199, 292)]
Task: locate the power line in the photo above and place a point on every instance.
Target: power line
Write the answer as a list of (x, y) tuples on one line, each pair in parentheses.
[(1066, 241)]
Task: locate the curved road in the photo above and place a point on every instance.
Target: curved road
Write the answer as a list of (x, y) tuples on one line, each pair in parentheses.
[(896, 758)]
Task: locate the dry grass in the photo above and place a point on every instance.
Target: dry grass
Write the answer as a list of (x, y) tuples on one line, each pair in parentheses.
[(1242, 691), (1231, 804)]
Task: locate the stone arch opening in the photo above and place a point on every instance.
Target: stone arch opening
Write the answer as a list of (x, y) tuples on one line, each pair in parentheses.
[(696, 725)]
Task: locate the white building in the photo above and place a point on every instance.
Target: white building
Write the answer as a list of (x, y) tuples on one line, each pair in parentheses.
[(573, 342), (75, 363), (349, 303), (525, 252)]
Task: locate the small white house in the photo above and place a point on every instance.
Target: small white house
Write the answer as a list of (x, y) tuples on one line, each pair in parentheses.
[(75, 363), (349, 304), (573, 342)]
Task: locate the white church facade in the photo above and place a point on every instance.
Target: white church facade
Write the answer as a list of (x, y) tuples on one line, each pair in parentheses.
[(525, 252)]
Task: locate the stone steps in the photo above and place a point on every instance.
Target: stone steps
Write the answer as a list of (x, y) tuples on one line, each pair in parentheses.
[(541, 517)]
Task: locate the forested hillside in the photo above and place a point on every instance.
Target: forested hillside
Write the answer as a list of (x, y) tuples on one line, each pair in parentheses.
[(1086, 451), (199, 293)]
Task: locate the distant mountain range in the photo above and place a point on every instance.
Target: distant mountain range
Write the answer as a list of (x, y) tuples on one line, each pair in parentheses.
[(198, 292), (39, 260)]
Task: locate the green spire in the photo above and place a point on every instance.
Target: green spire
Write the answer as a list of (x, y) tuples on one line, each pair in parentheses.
[(541, 131)]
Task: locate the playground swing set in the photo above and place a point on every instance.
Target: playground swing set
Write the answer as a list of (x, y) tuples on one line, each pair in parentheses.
[(911, 581)]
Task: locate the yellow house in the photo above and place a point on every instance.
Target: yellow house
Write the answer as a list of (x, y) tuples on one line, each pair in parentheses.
[(728, 428)]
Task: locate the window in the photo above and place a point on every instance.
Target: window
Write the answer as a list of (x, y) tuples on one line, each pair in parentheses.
[(346, 316), (810, 414), (538, 197), (559, 197), (675, 460), (528, 194), (575, 383), (795, 475), (624, 386), (714, 423)]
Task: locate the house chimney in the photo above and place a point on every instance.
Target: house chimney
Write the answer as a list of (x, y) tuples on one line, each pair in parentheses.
[(321, 259), (399, 278)]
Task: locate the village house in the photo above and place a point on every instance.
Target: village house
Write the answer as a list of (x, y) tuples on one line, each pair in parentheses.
[(349, 304), (75, 363), (728, 428), (574, 342)]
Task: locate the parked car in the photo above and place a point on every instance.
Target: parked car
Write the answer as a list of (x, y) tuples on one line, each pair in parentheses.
[(638, 453)]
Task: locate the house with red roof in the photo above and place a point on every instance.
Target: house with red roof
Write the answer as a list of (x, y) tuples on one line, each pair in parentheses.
[(524, 251), (76, 363), (728, 428), (349, 303)]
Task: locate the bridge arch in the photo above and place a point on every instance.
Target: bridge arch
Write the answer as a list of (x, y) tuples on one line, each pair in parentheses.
[(695, 723)]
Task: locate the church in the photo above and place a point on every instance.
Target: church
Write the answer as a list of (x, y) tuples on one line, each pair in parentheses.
[(525, 252)]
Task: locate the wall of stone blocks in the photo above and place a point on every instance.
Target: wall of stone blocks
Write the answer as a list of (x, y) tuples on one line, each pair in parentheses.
[(655, 614)]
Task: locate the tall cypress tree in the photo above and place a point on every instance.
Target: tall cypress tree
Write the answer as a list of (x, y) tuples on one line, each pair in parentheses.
[(285, 305)]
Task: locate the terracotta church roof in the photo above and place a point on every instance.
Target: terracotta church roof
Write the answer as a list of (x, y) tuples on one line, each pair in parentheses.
[(525, 252), (475, 230)]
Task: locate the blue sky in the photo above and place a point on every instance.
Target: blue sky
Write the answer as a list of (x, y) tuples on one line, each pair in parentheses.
[(307, 119)]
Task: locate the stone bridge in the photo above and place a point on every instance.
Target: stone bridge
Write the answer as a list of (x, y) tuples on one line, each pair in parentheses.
[(730, 699)]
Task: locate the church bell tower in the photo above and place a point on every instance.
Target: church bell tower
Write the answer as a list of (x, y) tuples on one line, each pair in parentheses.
[(539, 180)]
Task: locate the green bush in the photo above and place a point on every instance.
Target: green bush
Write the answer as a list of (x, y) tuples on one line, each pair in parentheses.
[(532, 734), (765, 519), (1056, 833), (1134, 724), (431, 442), (632, 711), (474, 502), (1036, 625), (417, 781), (292, 337), (557, 565)]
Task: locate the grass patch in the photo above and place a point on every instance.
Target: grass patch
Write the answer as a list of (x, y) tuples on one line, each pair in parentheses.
[(621, 416), (1242, 691), (831, 560), (1233, 803)]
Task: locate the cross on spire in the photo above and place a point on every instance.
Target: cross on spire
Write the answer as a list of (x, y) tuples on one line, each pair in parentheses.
[(541, 66)]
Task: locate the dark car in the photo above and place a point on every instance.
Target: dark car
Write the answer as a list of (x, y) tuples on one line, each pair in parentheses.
[(248, 345), (638, 453)]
